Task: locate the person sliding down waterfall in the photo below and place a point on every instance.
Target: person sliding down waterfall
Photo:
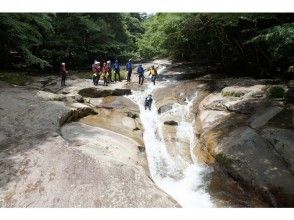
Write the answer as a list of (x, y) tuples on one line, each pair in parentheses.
[(153, 74), (148, 102)]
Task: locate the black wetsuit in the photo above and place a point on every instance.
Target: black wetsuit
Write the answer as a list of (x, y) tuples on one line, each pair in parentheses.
[(148, 102)]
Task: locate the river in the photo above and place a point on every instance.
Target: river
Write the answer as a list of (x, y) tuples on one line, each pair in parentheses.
[(180, 179)]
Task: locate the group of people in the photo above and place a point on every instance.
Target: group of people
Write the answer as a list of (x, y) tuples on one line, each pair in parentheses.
[(152, 74), (105, 72)]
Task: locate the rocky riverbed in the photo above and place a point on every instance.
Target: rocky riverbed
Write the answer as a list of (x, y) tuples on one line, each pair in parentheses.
[(48, 160), (240, 130), (83, 146)]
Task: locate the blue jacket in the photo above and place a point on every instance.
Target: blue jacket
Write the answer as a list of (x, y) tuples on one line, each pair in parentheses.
[(129, 66), (140, 70), (116, 66)]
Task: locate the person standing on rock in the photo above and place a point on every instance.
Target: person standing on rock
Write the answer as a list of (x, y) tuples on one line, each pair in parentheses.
[(109, 71), (116, 68), (63, 73), (96, 69), (140, 71), (105, 72), (129, 68), (153, 74)]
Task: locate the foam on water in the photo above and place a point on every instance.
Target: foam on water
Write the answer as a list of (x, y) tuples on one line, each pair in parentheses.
[(183, 183)]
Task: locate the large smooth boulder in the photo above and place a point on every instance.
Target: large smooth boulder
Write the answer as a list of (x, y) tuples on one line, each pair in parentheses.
[(23, 113), (96, 93), (129, 122), (87, 167), (114, 114), (209, 119), (248, 157), (262, 117), (289, 95), (165, 108), (75, 166), (245, 100), (282, 141), (247, 106), (256, 91), (48, 96)]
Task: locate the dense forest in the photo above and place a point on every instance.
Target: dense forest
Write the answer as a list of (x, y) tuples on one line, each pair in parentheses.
[(43, 41), (251, 44)]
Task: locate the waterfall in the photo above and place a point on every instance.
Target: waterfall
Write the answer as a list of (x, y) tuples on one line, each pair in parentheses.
[(184, 182)]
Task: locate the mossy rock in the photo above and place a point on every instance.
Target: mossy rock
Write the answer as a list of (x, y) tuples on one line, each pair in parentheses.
[(276, 92), (233, 93), (19, 79)]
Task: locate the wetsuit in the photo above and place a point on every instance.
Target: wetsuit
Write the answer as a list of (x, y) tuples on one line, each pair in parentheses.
[(148, 102)]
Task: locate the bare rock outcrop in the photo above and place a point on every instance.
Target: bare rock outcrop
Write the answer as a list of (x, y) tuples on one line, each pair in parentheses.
[(76, 165), (238, 129)]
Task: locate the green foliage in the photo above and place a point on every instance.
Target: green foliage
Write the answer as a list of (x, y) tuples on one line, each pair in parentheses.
[(276, 92), (123, 75), (249, 43), (45, 40), (82, 75), (280, 40), (233, 93), (19, 79), (21, 36), (252, 44), (150, 45)]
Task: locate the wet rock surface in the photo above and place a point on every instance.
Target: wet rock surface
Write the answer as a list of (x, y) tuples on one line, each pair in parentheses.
[(45, 165), (165, 108), (240, 131), (118, 114), (100, 160)]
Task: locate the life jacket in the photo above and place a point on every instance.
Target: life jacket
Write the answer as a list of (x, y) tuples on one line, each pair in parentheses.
[(104, 75), (96, 68), (148, 100), (116, 66), (153, 72), (105, 71), (108, 69), (140, 70), (129, 66)]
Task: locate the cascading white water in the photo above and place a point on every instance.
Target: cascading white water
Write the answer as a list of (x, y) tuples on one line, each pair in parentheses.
[(183, 183)]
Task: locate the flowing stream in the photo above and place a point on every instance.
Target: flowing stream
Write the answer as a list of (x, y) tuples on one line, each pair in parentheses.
[(180, 179)]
